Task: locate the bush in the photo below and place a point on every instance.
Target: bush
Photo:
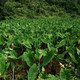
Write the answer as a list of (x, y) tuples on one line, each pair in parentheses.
[(41, 8), (14, 8)]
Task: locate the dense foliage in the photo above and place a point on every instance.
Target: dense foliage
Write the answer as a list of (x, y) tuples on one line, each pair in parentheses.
[(2, 2), (39, 8), (39, 48)]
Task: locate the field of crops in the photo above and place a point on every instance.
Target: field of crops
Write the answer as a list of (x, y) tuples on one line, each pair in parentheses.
[(40, 49)]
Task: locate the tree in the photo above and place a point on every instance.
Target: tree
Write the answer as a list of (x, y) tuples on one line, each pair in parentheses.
[(2, 2)]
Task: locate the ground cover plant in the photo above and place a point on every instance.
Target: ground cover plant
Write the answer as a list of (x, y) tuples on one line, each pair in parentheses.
[(40, 49)]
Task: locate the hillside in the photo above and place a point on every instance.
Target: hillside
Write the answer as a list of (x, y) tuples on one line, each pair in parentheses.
[(39, 40), (39, 8)]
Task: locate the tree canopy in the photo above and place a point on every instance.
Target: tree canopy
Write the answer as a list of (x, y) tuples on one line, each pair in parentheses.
[(36, 8)]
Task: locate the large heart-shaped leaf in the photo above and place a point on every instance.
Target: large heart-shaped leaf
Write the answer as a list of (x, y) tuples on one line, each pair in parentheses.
[(33, 71), (48, 58), (28, 57)]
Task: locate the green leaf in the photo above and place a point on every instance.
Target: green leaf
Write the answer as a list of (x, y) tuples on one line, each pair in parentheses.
[(73, 58), (63, 54), (28, 57), (37, 56), (42, 52), (76, 54), (3, 64), (27, 43), (61, 43), (13, 54), (65, 74), (33, 71), (78, 51), (1, 40), (48, 58)]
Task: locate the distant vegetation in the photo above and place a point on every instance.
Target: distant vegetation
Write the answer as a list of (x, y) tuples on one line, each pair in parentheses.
[(38, 8)]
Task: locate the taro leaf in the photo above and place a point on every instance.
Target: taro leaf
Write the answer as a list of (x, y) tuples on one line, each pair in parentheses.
[(63, 54), (27, 43), (78, 51), (73, 58), (49, 35), (48, 58), (65, 74), (76, 55), (10, 40), (3, 64), (58, 34), (28, 57), (33, 71), (42, 52), (36, 43), (13, 54), (37, 56), (39, 67), (1, 40), (60, 44)]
